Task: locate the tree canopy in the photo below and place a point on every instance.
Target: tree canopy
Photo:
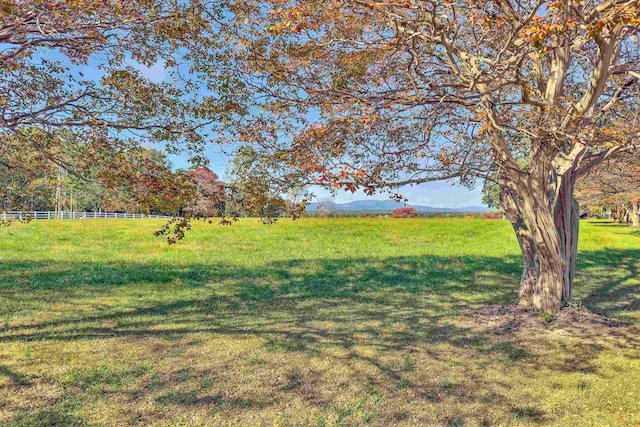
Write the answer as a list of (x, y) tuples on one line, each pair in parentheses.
[(71, 79)]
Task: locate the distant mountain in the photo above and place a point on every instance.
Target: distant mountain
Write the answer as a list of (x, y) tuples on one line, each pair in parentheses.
[(388, 206)]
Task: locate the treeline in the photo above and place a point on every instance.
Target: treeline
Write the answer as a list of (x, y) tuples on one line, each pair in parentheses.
[(54, 187), (72, 176), (130, 179), (612, 190)]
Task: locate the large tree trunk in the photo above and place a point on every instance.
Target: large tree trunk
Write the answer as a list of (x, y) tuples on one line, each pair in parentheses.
[(635, 217), (553, 218), (548, 237), (567, 220), (546, 227), (539, 211), (513, 211)]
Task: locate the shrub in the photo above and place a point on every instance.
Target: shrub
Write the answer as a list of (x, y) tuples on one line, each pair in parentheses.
[(404, 213), (492, 215)]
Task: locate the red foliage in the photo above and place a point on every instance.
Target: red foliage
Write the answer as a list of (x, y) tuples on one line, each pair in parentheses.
[(492, 215), (204, 175), (404, 213), (211, 195)]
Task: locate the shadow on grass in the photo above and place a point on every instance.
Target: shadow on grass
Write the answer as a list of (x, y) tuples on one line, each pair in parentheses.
[(63, 413), (17, 378), (405, 289), (608, 283), (398, 306)]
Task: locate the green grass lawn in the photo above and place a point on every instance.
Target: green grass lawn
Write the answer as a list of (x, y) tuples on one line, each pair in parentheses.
[(322, 322)]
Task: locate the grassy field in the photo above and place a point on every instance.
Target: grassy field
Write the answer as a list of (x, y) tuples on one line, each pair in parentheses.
[(321, 322)]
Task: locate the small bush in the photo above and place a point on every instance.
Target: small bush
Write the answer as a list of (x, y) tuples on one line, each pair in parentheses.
[(492, 215), (404, 213)]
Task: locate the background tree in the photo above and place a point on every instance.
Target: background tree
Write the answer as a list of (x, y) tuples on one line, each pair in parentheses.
[(491, 193), (405, 212), (324, 209), (131, 179), (260, 189), (613, 185), (210, 200)]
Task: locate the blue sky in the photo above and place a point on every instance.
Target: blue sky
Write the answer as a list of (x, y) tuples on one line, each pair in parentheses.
[(436, 194)]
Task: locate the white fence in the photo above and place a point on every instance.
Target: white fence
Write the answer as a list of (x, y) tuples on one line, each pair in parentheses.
[(75, 215)]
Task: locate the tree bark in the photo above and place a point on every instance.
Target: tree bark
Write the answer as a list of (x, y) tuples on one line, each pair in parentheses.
[(548, 248), (635, 217), (619, 214), (539, 212), (513, 212), (553, 218), (628, 214), (546, 219), (567, 220)]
